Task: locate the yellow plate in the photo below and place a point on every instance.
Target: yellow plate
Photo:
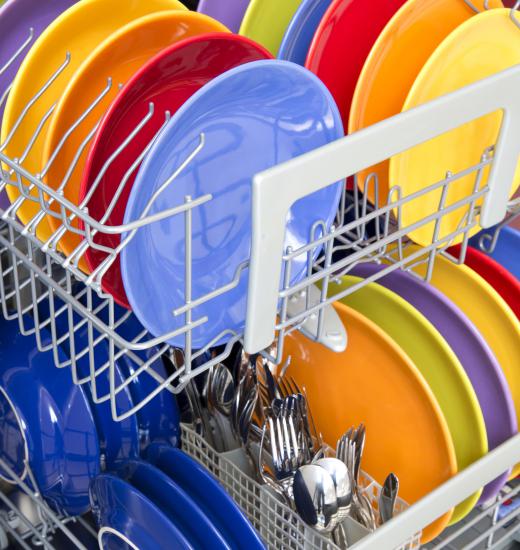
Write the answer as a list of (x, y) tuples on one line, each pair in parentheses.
[(267, 20), (375, 382), (487, 310), (480, 47), (395, 60), (436, 361), (118, 57), (78, 31)]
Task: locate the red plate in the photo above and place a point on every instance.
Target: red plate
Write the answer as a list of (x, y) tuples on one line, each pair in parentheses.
[(504, 282), (342, 43), (167, 80)]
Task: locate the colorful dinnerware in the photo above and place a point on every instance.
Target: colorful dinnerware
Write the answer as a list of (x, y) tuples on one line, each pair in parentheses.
[(394, 62), (373, 381), (228, 12), (66, 43), (506, 248), (482, 46), (242, 122), (474, 354), (436, 361), (168, 81)]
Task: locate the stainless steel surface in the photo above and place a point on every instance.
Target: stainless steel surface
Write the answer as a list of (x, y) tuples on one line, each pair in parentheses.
[(315, 497), (387, 498)]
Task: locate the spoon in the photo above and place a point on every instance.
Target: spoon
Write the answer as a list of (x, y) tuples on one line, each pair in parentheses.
[(315, 497)]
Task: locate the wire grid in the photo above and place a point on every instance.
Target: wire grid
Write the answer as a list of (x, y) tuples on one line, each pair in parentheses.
[(278, 525), (31, 522), (483, 529)]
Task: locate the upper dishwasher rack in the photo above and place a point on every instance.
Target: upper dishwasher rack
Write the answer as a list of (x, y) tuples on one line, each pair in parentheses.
[(34, 273)]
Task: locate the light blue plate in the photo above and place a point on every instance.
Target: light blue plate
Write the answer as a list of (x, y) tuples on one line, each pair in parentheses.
[(124, 510), (300, 32), (174, 503), (209, 495), (45, 417), (507, 249), (253, 117)]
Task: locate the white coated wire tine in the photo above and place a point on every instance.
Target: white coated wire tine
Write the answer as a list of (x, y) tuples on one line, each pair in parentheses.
[(29, 105), (512, 13), (18, 52), (5, 95), (75, 125), (132, 169), (119, 150)]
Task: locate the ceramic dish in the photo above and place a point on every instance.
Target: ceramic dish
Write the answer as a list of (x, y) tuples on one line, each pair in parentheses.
[(118, 440), (46, 419), (437, 363), (507, 248), (397, 57), (487, 43), (67, 34), (342, 43), (240, 114), (159, 419), (209, 495), (118, 58), (168, 80), (300, 32), (121, 509), (228, 12), (17, 18), (373, 381), (489, 313), (265, 21), (504, 282), (175, 504), (474, 354)]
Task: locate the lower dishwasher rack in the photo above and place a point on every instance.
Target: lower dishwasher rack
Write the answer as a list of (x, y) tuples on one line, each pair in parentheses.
[(34, 272)]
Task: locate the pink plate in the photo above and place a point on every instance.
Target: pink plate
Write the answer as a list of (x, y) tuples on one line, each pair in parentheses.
[(167, 80)]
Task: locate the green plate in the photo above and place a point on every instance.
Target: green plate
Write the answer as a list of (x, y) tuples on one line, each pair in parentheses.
[(267, 20), (434, 358)]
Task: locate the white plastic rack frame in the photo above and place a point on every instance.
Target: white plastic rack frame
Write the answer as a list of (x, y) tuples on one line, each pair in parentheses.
[(35, 277)]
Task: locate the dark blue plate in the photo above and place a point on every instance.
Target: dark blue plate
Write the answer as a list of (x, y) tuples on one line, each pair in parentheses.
[(121, 508), (300, 32), (253, 117), (209, 495), (159, 419), (175, 504), (118, 439), (46, 418)]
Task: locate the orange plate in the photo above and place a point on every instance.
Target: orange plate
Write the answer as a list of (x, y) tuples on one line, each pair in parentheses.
[(119, 57), (395, 60), (375, 382)]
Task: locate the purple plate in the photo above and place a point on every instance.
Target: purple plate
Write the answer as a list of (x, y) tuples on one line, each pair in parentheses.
[(17, 17), (471, 349), (228, 12)]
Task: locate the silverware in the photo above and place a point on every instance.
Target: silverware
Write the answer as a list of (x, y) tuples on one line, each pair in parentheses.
[(315, 497), (387, 498)]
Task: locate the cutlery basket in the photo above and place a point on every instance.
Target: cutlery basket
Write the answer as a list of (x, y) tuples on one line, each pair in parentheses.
[(278, 525)]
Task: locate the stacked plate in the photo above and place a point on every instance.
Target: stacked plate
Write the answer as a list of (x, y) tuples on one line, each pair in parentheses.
[(152, 106)]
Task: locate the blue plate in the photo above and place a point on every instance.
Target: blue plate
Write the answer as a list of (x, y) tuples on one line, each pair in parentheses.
[(209, 495), (175, 504), (300, 32), (507, 249), (56, 431), (159, 419), (123, 509), (253, 117), (118, 440)]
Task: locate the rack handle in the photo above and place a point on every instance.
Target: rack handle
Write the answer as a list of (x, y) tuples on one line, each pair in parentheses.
[(275, 190)]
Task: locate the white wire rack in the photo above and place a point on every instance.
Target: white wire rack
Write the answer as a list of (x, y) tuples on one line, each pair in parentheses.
[(37, 280)]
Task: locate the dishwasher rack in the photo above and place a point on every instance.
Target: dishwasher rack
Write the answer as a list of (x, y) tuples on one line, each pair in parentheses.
[(35, 277)]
